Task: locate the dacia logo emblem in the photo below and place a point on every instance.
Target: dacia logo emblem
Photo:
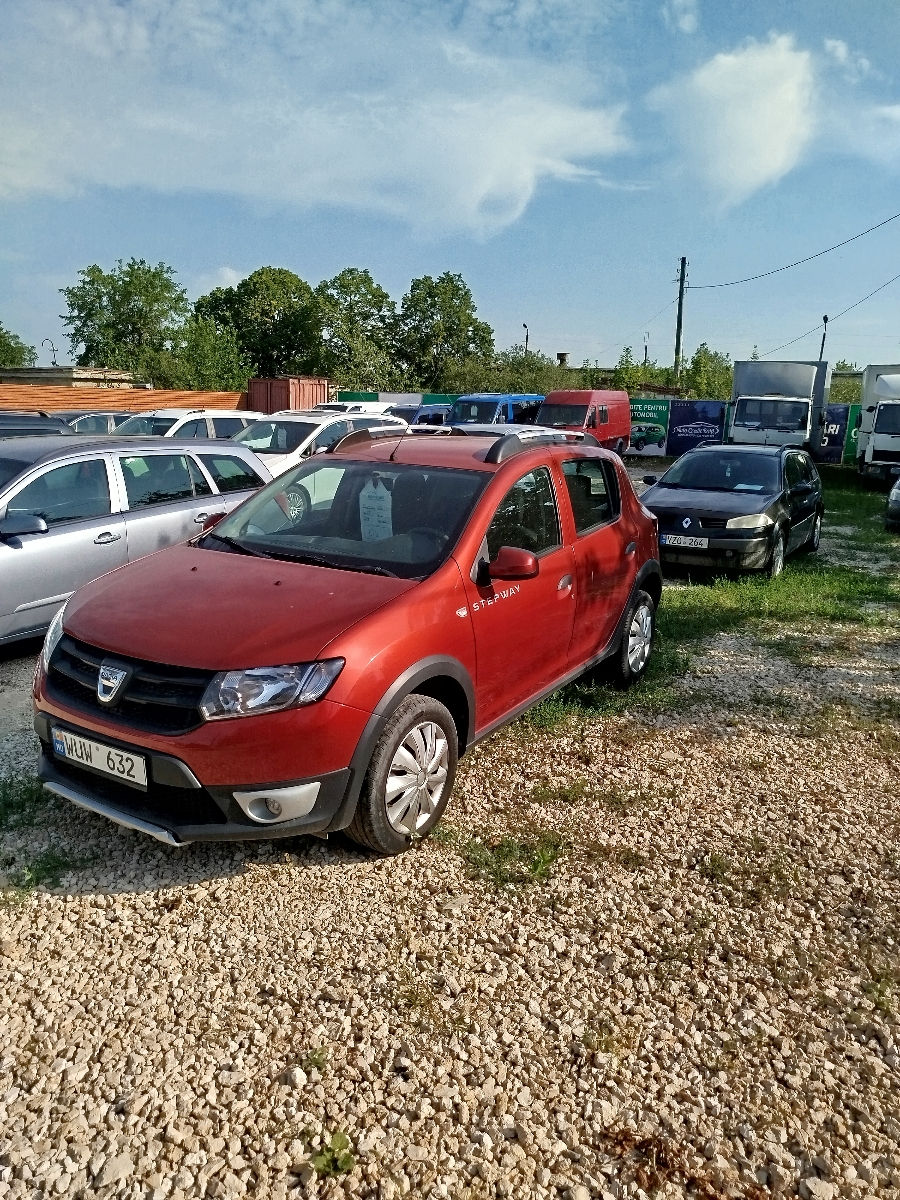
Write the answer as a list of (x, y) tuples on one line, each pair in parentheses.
[(109, 682), (686, 523)]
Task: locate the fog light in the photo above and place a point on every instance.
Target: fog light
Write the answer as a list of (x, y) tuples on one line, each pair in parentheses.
[(273, 806)]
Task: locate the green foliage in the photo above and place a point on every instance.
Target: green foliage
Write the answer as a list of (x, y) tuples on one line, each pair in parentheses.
[(845, 391), (209, 358), (47, 869), (274, 316), (509, 861), (709, 375), (437, 329), (335, 1158), (13, 351), (21, 799), (357, 320), (510, 370), (129, 318)]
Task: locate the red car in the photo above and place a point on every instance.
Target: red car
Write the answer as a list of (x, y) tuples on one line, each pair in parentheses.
[(321, 657)]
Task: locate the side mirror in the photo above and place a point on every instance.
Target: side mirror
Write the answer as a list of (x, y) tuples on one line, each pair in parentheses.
[(22, 523), (211, 520), (651, 479), (512, 562), (870, 408)]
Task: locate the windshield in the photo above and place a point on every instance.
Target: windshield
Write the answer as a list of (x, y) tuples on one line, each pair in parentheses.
[(385, 518), (276, 437), (711, 471), (472, 412), (147, 423), (887, 418), (770, 412), (559, 415)]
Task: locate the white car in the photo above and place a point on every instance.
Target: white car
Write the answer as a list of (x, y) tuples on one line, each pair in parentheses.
[(284, 439), (189, 422)]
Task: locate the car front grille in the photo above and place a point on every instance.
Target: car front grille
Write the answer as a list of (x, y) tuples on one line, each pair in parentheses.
[(156, 698), (674, 523)]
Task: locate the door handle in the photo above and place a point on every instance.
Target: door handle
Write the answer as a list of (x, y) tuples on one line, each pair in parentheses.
[(630, 548), (103, 539), (564, 583)]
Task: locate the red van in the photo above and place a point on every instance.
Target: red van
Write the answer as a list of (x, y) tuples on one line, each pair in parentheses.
[(606, 414)]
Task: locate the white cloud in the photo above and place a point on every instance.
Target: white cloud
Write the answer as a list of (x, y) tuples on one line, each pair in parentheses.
[(743, 119), (854, 66), (304, 102), (681, 15)]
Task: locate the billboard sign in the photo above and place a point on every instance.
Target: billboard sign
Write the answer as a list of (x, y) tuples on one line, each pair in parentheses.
[(649, 423), (694, 421)]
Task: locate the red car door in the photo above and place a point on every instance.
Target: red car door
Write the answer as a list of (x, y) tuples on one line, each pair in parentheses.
[(522, 628), (604, 552)]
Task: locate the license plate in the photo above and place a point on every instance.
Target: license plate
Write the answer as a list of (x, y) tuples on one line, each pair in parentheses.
[(677, 539), (130, 768)]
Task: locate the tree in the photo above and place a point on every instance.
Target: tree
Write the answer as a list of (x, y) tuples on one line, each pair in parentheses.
[(357, 319), (274, 316), (438, 330), (209, 358), (845, 391), (128, 318), (13, 351), (710, 374)]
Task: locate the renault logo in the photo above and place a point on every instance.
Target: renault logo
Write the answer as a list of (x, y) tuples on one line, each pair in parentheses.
[(686, 523), (110, 681)]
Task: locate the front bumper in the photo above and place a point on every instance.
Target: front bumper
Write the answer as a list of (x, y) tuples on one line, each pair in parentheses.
[(729, 554), (177, 808)]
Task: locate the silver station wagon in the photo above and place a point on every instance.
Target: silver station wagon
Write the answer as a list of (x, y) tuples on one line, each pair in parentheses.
[(74, 507)]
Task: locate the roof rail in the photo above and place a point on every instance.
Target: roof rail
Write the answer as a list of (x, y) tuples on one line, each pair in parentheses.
[(510, 444)]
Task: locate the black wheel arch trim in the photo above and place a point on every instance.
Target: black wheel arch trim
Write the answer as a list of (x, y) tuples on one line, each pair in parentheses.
[(412, 680)]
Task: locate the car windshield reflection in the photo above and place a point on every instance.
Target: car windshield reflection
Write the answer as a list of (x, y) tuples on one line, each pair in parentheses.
[(385, 518)]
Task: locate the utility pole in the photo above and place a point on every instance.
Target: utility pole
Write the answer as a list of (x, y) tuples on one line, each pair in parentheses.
[(824, 331), (525, 327), (679, 319)]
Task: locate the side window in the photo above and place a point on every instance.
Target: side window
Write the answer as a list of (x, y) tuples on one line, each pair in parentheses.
[(602, 414), (92, 423), (526, 516), (68, 493), (792, 470), (328, 436), (156, 479), (226, 427), (593, 492), (193, 428), (231, 474), (199, 480)]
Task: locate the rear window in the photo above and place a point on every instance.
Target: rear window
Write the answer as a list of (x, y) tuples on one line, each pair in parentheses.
[(231, 474), (147, 424)]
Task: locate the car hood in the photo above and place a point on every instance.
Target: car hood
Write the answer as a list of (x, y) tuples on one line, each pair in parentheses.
[(204, 608), (727, 504)]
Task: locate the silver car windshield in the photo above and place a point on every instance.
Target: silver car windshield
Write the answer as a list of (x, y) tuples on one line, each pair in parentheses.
[(276, 437), (385, 518)]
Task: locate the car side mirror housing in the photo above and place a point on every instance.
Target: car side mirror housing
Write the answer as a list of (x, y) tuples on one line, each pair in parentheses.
[(21, 524), (651, 479), (512, 562), (211, 520)]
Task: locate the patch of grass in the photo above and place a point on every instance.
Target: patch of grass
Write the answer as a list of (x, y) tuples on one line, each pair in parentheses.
[(315, 1059), (715, 868), (335, 1158), (756, 872), (21, 800), (512, 861), (45, 870)]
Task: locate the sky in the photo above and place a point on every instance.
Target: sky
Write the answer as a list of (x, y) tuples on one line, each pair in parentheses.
[(560, 155)]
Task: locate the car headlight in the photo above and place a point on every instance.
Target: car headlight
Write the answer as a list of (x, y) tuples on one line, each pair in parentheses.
[(51, 638), (751, 521), (268, 689)]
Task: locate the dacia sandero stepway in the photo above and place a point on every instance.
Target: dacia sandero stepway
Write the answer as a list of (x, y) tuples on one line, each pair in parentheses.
[(319, 659)]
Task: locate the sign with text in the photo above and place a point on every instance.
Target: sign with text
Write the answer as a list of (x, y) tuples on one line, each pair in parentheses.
[(694, 421), (649, 422)]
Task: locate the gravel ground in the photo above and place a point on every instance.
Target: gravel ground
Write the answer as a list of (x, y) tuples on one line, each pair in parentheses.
[(699, 998)]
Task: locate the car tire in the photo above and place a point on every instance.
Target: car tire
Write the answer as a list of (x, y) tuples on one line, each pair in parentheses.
[(409, 777), (776, 554), (299, 502), (811, 545), (640, 444), (638, 632)]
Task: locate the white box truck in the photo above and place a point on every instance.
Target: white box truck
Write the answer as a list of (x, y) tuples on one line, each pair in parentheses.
[(878, 432), (779, 403)]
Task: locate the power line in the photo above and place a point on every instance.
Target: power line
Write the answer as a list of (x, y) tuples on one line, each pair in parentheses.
[(643, 325), (856, 304), (697, 287)]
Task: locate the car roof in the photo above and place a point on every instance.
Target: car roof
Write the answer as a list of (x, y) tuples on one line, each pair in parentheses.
[(195, 412), (99, 412), (29, 450), (740, 448), (465, 452)]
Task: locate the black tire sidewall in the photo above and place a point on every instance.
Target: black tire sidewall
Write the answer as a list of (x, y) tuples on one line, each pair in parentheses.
[(623, 675), (370, 825)]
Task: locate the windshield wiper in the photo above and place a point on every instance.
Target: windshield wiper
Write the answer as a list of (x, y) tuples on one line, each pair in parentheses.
[(239, 546)]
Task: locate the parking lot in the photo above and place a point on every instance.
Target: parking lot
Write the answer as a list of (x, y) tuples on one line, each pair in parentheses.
[(653, 948)]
